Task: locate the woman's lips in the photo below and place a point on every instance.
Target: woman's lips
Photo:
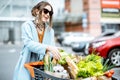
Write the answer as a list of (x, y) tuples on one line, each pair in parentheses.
[(46, 17)]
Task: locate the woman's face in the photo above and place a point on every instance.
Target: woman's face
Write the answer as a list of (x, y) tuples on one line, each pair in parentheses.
[(46, 13)]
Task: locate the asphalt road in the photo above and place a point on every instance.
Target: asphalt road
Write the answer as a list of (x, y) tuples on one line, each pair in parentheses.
[(9, 55)]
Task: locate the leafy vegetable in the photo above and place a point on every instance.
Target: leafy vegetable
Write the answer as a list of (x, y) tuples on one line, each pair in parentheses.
[(63, 54), (91, 66)]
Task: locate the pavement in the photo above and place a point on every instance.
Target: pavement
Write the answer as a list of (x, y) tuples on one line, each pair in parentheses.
[(9, 55), (116, 75)]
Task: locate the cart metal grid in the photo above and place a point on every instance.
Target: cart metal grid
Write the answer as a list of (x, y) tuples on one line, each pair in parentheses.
[(36, 70), (41, 75)]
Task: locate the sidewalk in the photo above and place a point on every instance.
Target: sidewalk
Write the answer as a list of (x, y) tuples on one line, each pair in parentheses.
[(10, 43)]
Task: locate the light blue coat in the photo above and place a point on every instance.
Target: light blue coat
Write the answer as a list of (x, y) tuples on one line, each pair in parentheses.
[(31, 44)]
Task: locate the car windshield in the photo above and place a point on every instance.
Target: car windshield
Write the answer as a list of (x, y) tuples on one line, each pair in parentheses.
[(104, 34)]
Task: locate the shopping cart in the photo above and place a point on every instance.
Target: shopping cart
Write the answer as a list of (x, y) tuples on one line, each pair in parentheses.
[(36, 70)]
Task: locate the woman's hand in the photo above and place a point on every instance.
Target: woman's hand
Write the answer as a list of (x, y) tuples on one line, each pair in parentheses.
[(54, 51)]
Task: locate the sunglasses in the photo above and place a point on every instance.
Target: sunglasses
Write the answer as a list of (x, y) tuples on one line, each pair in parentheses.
[(47, 11)]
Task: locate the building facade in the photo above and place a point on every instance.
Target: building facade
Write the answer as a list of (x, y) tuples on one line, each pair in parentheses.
[(70, 16)]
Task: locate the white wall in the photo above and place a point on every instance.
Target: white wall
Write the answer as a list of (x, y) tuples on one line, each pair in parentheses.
[(58, 6), (76, 7)]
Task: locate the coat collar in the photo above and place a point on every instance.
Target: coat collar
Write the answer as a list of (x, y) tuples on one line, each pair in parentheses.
[(35, 34)]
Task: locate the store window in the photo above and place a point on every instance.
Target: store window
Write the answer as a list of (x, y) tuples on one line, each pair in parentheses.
[(110, 27)]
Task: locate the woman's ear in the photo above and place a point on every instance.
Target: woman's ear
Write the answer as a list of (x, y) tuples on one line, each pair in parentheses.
[(37, 11)]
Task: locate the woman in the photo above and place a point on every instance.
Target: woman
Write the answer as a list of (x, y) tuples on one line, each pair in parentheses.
[(38, 37)]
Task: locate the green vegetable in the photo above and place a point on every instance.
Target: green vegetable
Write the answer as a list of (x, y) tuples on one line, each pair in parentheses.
[(107, 66), (51, 67), (93, 58), (48, 65), (63, 54), (91, 66)]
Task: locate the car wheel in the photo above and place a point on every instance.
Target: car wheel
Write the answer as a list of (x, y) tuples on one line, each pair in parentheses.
[(114, 56)]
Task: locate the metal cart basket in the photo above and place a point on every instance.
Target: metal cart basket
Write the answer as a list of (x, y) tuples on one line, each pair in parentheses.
[(36, 70)]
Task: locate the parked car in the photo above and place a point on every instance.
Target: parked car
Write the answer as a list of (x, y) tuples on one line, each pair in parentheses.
[(79, 47), (104, 34), (77, 37), (61, 37), (83, 46), (107, 47), (107, 33)]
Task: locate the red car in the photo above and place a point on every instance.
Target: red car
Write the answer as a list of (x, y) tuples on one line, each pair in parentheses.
[(107, 47)]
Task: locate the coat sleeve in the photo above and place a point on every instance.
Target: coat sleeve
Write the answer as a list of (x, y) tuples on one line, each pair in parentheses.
[(29, 42)]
